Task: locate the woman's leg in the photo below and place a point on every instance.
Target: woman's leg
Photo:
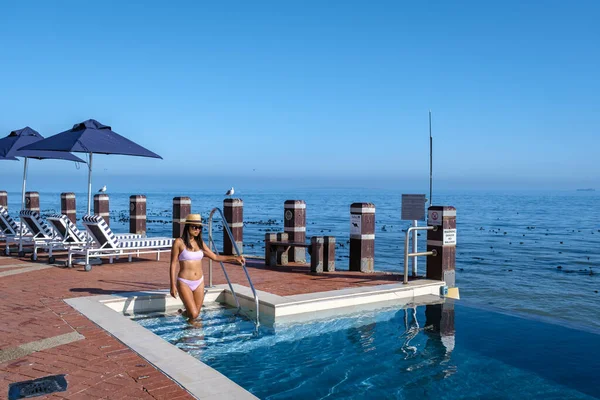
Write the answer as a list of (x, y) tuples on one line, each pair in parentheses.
[(187, 296), (199, 297)]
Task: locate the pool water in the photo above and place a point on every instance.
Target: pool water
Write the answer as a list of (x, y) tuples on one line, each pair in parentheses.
[(444, 351)]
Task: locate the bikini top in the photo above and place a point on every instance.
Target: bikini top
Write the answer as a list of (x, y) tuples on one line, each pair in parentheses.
[(187, 255)]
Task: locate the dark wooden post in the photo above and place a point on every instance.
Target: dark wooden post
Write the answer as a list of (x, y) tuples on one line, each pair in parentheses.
[(4, 199), (233, 209), (137, 214), (294, 224), (68, 206), (182, 206), (32, 201), (329, 254), (362, 237), (317, 243), (101, 207), (442, 266)]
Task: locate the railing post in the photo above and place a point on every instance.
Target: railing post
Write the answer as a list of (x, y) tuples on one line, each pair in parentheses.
[(317, 243), (442, 267), (137, 214), (294, 224), (329, 254), (362, 237), (101, 207), (282, 255), (234, 217), (32, 201), (68, 206), (182, 206), (4, 199), (269, 259)]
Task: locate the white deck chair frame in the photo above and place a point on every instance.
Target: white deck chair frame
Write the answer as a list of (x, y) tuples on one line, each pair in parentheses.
[(42, 234), (9, 231), (107, 244), (66, 233)]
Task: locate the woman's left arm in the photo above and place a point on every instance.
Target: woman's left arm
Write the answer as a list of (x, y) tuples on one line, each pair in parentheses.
[(231, 259)]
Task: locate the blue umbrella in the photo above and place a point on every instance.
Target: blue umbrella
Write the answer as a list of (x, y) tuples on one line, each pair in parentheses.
[(10, 147), (91, 137)]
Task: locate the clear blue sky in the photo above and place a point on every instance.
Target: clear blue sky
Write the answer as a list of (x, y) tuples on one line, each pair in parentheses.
[(234, 92)]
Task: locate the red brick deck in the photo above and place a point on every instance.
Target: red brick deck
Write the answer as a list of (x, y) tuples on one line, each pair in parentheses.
[(99, 366)]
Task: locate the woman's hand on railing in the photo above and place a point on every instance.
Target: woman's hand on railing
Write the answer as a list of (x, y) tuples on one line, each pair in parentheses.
[(240, 260)]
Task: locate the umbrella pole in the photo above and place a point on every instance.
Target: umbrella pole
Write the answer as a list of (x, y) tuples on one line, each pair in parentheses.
[(22, 204), (89, 205)]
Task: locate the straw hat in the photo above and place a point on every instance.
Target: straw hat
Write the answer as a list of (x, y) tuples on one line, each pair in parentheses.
[(193, 219)]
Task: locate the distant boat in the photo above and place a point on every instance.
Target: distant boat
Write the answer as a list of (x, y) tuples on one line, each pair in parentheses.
[(586, 190)]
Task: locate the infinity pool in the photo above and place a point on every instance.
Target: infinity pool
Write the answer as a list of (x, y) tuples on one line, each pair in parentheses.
[(442, 351)]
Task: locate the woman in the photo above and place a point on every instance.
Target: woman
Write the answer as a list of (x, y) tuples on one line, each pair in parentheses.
[(189, 250)]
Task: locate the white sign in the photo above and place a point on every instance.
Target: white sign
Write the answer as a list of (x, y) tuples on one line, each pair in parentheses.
[(449, 237), (413, 207), (355, 225), (434, 217)]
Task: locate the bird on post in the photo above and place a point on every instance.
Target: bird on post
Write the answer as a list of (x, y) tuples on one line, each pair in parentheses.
[(102, 190), (230, 192)]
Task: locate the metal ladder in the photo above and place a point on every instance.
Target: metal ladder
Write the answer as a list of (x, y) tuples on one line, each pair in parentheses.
[(213, 247)]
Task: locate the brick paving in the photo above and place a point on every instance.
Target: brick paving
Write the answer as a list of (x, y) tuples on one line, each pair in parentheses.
[(32, 308)]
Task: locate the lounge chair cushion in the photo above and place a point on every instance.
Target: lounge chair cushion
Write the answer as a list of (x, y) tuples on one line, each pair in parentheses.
[(105, 237), (7, 224), (62, 224), (100, 230), (145, 242), (37, 226)]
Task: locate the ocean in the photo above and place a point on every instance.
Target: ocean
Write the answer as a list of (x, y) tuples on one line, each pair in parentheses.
[(533, 253)]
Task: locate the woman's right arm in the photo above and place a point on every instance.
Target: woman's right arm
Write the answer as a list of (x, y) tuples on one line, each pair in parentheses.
[(175, 250)]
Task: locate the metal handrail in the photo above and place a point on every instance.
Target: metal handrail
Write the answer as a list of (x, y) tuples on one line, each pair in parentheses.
[(406, 245), (214, 247), (237, 250)]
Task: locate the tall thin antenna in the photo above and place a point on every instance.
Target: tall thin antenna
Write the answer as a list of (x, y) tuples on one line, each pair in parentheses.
[(430, 161)]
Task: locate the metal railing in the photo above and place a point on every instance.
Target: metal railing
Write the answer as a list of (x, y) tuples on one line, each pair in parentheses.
[(237, 250), (407, 255)]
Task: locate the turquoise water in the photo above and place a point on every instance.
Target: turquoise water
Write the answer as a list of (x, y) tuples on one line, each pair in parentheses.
[(509, 248), (429, 352)]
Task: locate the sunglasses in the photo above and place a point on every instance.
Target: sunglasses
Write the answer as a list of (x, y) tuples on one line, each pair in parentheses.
[(196, 226)]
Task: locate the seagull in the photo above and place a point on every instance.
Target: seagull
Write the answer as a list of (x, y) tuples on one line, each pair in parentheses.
[(102, 190), (230, 192)]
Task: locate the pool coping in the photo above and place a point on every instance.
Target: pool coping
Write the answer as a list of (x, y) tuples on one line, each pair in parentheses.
[(197, 378), (202, 381)]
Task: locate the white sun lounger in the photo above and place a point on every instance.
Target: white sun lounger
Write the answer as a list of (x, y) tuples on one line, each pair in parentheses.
[(34, 223), (107, 244), (66, 235), (10, 231), (67, 230), (42, 234), (8, 226)]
